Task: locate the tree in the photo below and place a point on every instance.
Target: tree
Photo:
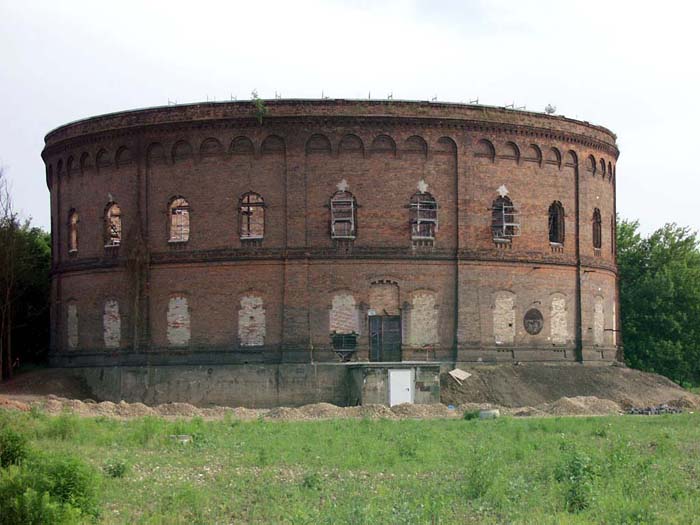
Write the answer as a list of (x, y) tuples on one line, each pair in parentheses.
[(25, 263), (660, 300), (8, 226)]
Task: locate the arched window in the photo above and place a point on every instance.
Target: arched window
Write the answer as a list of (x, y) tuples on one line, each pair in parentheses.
[(505, 222), (179, 220), (556, 223), (113, 225), (73, 231), (597, 234), (423, 216), (252, 216), (343, 215)]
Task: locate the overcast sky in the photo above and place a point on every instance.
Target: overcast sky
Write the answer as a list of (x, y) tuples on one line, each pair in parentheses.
[(633, 67)]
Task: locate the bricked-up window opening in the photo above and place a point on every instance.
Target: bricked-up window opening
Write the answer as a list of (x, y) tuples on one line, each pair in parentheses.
[(597, 234), (111, 324), (505, 219), (73, 231), (113, 225), (179, 220), (423, 216), (343, 215), (556, 223), (252, 216)]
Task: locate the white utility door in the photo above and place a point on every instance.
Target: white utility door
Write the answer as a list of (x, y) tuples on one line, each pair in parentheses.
[(400, 387)]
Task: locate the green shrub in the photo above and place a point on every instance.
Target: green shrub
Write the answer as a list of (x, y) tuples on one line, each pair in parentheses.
[(13, 447), (32, 508), (576, 474), (115, 468), (64, 426), (471, 414), (48, 490)]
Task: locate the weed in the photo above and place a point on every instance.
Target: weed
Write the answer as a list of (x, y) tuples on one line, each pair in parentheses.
[(64, 426), (470, 414), (13, 447), (311, 481), (115, 468)]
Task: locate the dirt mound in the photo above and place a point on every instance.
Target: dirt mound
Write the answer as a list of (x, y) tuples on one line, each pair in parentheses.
[(176, 409), (533, 384), (284, 414), (11, 404), (44, 381), (322, 411), (407, 410), (580, 406)]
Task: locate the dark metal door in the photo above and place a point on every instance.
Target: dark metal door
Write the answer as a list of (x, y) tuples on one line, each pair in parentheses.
[(385, 338)]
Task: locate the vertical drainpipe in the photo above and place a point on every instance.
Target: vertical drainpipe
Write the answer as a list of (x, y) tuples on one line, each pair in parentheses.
[(455, 341), (619, 353), (579, 328)]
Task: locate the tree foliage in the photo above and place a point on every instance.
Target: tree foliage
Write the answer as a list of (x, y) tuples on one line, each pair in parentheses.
[(25, 263), (660, 300)]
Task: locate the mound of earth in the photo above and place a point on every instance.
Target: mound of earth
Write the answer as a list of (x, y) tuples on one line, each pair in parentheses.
[(532, 385), (36, 383)]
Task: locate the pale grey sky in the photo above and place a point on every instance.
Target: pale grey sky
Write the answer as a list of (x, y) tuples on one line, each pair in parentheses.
[(631, 66)]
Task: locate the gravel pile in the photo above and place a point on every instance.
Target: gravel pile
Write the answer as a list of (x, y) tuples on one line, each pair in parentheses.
[(654, 411)]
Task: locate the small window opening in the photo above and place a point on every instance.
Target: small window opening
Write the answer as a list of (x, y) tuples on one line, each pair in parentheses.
[(423, 216), (343, 215), (597, 234), (556, 223), (113, 225), (179, 220), (505, 220), (252, 216), (73, 232)]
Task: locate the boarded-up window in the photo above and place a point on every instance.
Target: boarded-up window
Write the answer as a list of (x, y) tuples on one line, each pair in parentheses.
[(424, 320), (72, 325), (598, 322), (251, 321), (558, 321), (112, 324), (179, 220), (504, 318), (252, 216), (178, 321), (384, 298), (343, 314)]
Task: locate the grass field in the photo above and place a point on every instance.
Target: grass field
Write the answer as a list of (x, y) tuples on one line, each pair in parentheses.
[(562, 470)]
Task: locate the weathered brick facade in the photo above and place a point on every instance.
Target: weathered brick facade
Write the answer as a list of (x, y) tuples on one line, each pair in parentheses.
[(225, 295)]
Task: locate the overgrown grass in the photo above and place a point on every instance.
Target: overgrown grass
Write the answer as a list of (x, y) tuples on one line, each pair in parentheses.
[(558, 471)]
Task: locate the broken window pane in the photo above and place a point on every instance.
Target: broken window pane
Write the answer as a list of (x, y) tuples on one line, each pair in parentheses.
[(252, 216), (343, 215), (113, 222), (179, 220), (505, 219), (423, 216)]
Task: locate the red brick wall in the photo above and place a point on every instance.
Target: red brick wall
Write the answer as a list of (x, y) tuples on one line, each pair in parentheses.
[(295, 160)]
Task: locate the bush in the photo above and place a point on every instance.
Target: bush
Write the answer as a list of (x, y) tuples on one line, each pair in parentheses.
[(577, 473), (64, 426), (115, 468), (13, 447), (471, 414), (48, 490)]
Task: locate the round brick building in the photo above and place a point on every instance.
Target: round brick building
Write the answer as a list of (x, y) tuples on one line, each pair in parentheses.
[(293, 232)]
